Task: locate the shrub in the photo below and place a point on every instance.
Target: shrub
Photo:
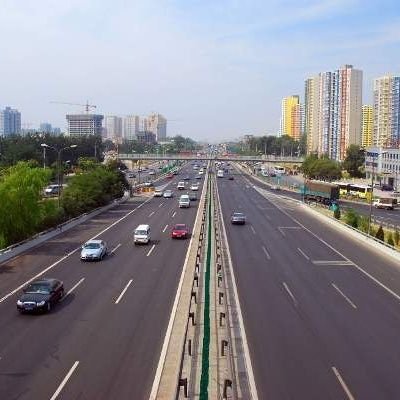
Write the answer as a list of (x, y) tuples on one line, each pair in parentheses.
[(363, 223), (351, 218), (390, 240), (336, 213), (380, 234), (396, 237)]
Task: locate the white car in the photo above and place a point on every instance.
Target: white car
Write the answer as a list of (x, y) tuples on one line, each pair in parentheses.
[(181, 185), (93, 250), (152, 173), (184, 201), (194, 187), (168, 194), (158, 193)]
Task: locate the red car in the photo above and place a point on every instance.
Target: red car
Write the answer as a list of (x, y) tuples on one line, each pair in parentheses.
[(180, 231), (170, 176)]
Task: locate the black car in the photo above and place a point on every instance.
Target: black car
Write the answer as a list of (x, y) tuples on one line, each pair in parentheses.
[(230, 177), (40, 295), (192, 196)]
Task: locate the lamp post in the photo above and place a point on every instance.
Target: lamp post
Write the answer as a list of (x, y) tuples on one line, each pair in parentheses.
[(373, 156), (58, 151)]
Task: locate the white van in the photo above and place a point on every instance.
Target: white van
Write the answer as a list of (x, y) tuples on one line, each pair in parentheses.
[(181, 185), (142, 234), (220, 173), (184, 201)]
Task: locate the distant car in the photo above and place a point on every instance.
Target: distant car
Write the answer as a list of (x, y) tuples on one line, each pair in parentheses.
[(230, 177), (170, 176), (198, 176), (181, 185), (93, 250), (184, 201), (152, 172), (175, 172), (194, 187), (158, 193), (180, 231), (52, 190), (238, 218), (168, 194), (40, 295), (275, 187), (131, 175), (192, 196), (186, 178), (148, 184)]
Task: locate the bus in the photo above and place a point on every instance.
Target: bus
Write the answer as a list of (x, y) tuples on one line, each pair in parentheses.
[(360, 191), (344, 188), (278, 170)]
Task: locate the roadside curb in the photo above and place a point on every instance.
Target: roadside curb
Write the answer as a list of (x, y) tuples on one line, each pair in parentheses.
[(41, 237)]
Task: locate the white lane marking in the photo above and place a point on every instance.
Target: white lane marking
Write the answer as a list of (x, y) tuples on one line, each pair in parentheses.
[(281, 228), (332, 262), (152, 213), (303, 254), (266, 252), (343, 384), (116, 247), (246, 351), (68, 254), (367, 274), (163, 354), (344, 296), (65, 380), (173, 215), (268, 217), (73, 288), (290, 293), (253, 230), (165, 228), (151, 250), (123, 291), (160, 205)]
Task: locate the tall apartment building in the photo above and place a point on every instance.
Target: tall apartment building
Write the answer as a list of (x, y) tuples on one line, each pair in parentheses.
[(367, 129), (157, 124), (288, 114), (333, 111), (10, 122), (113, 127), (131, 127), (45, 127), (84, 124), (386, 110)]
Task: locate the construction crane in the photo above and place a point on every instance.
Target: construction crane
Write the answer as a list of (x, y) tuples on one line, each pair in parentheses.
[(87, 105)]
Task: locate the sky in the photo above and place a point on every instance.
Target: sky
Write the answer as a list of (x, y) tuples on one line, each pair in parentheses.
[(217, 70)]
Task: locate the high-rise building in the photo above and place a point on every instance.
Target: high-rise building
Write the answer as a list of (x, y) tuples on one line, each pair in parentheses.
[(10, 122), (131, 127), (333, 111), (84, 124), (113, 127), (288, 114), (386, 111), (157, 124), (45, 127), (367, 126)]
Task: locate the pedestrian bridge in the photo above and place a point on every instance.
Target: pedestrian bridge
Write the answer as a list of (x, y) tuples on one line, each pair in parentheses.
[(211, 157)]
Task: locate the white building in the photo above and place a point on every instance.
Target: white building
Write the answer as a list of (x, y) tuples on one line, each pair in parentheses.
[(84, 124), (113, 127), (157, 124), (131, 127)]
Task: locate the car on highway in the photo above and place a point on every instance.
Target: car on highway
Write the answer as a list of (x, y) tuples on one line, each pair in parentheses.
[(230, 177), (238, 218), (158, 193), (152, 172), (170, 176), (184, 201), (131, 175), (186, 178), (40, 295), (148, 184), (175, 172), (275, 187), (192, 196), (194, 186), (180, 231), (181, 185), (142, 234), (168, 194), (93, 250), (52, 190), (198, 176)]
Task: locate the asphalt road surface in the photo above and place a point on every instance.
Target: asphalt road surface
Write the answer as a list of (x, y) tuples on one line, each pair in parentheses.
[(321, 311), (104, 339)]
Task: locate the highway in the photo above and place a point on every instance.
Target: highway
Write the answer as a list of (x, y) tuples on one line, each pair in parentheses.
[(103, 340), (321, 310)]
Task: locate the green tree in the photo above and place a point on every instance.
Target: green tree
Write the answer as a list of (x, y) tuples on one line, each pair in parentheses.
[(354, 161), (321, 168), (380, 234), (351, 218), (21, 206), (396, 237), (390, 240)]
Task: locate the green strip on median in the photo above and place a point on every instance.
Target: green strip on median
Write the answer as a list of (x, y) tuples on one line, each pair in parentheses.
[(205, 363)]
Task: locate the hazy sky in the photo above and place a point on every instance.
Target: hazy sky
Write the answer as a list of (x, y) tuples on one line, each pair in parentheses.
[(217, 68)]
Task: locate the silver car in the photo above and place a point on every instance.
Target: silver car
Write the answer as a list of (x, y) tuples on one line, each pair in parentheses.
[(93, 250), (168, 194)]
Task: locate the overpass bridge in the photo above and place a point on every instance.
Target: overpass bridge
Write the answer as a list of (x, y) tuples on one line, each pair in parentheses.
[(210, 157)]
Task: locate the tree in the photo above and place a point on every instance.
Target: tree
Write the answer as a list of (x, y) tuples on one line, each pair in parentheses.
[(351, 218), (321, 168), (354, 161), (390, 240), (21, 206), (396, 237), (380, 234)]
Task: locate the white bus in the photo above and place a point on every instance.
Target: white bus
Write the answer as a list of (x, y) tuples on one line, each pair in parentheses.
[(360, 191)]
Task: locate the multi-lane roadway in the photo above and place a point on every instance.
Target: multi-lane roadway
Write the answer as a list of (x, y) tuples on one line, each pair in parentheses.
[(321, 311), (103, 340)]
